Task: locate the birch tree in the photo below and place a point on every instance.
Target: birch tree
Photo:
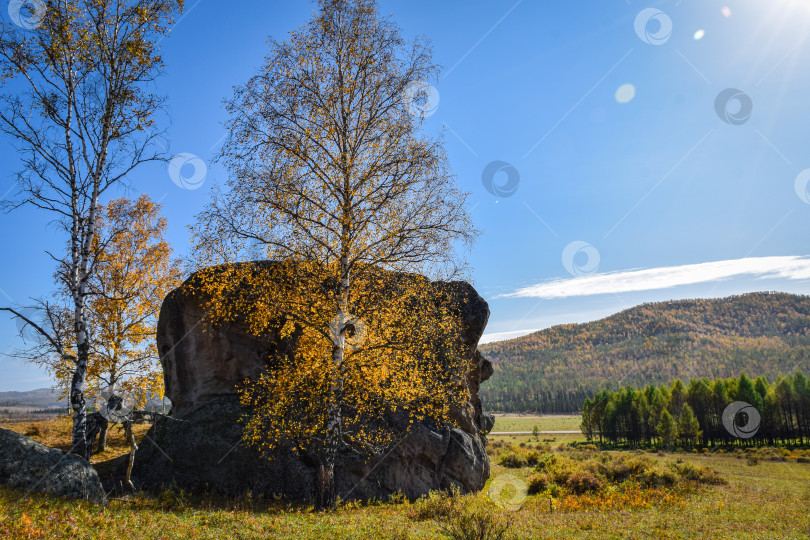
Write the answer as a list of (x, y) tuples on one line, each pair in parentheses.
[(334, 179), (76, 100)]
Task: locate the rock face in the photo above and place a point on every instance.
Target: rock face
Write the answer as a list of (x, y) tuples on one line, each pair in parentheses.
[(200, 448), (30, 466)]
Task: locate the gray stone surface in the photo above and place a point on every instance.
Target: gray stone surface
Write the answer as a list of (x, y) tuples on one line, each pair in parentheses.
[(30, 466), (203, 452), (201, 449)]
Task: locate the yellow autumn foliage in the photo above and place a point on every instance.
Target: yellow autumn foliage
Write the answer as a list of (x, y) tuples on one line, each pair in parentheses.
[(134, 272)]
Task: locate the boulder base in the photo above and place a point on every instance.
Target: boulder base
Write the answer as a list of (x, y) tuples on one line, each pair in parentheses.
[(203, 453)]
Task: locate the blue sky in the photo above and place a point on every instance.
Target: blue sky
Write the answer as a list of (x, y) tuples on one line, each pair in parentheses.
[(624, 194)]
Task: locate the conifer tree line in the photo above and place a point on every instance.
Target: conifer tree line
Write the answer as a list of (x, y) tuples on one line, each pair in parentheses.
[(508, 394), (690, 415)]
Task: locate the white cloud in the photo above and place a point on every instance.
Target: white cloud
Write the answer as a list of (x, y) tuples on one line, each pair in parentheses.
[(500, 336), (789, 267), (506, 329)]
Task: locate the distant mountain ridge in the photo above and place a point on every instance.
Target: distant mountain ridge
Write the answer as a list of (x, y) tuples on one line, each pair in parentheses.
[(555, 369), (41, 397)]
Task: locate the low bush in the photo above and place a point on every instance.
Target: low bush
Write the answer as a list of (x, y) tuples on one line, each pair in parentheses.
[(522, 456), (435, 505), (538, 483), (658, 477), (579, 472), (532, 458), (547, 462), (512, 459), (475, 520), (697, 473), (622, 467), (495, 447), (580, 482)]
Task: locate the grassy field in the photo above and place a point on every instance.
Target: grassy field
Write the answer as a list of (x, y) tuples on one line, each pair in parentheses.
[(542, 423), (768, 499), (505, 423)]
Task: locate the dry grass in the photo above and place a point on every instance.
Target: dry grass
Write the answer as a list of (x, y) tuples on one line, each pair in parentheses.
[(56, 434), (769, 500)]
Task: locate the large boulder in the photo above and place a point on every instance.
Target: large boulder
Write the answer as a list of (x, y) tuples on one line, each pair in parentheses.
[(200, 447), (30, 466)]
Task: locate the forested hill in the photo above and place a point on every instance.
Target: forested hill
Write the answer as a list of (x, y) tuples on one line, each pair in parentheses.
[(555, 369)]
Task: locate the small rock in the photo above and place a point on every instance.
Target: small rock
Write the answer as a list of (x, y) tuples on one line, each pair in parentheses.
[(30, 466)]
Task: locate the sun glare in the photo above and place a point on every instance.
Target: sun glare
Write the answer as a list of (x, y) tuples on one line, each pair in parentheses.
[(798, 3)]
